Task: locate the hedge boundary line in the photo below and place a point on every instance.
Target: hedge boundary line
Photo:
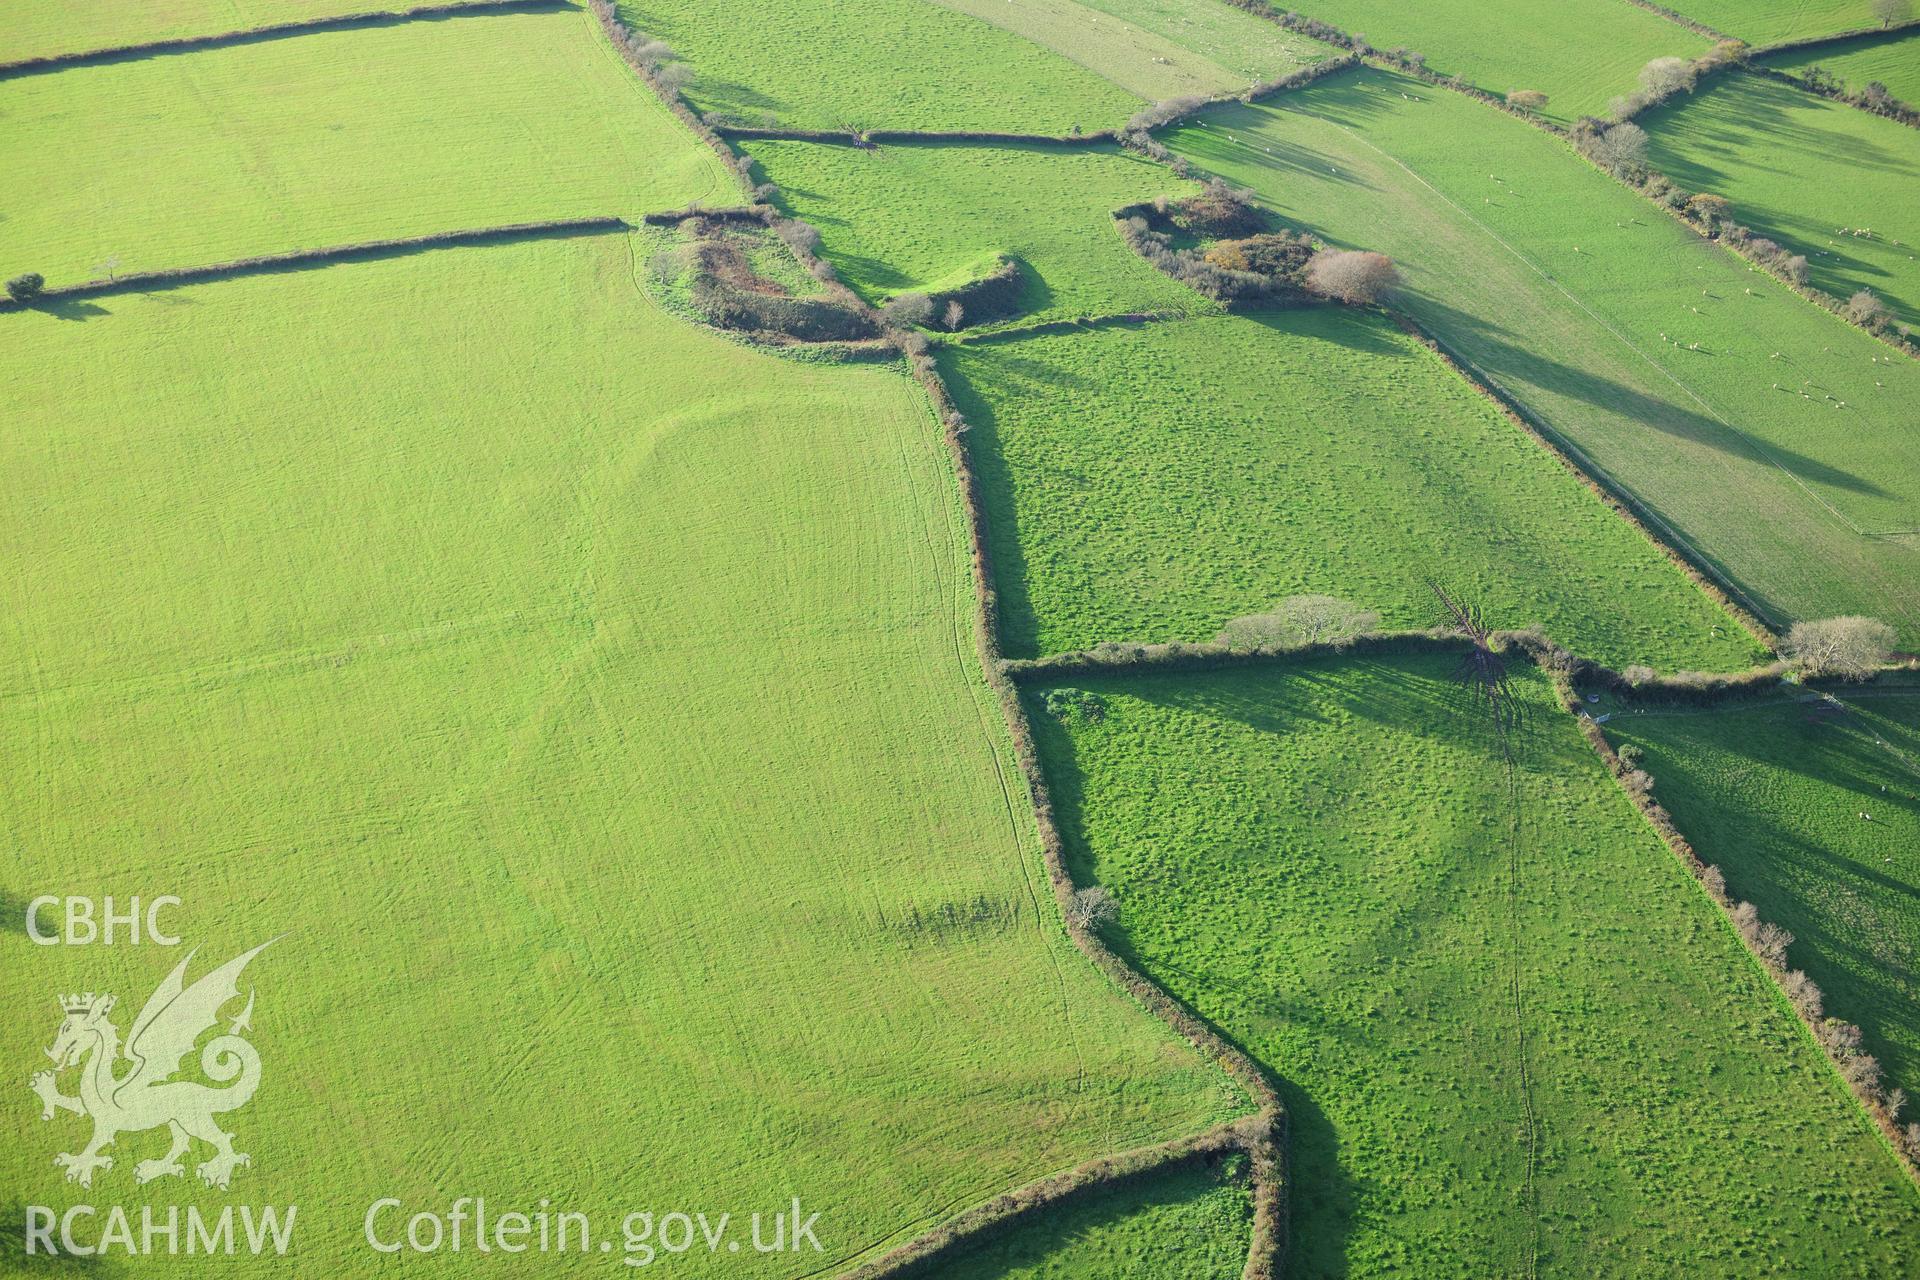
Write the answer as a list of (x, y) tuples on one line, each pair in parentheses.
[(1566, 671), (276, 31), (1896, 110), (1375, 58), (1076, 324), (1009, 1208), (1698, 570), (1682, 20), (307, 259), (757, 214), (1829, 1035), (1263, 1135), (875, 137), (1835, 37), (623, 39)]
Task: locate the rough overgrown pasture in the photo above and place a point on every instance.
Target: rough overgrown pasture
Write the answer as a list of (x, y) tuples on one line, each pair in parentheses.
[(1810, 806), (332, 138), (1771, 438), (1553, 46), (1891, 61), (591, 702), (1820, 177), (907, 218), (1157, 49), (868, 64), (1186, 1223), (1146, 483), (1467, 986)]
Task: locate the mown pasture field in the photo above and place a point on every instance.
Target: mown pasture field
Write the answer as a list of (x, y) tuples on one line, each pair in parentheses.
[(1555, 46), (48, 28), (1584, 302), (1808, 172), (1892, 61), (1189, 1223), (1156, 49), (873, 64), (1813, 813), (905, 218), (1764, 22), (1147, 483), (591, 702), (1322, 859), (335, 137)]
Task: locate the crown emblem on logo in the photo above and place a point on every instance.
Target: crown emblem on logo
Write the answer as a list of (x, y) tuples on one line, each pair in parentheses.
[(86, 1003)]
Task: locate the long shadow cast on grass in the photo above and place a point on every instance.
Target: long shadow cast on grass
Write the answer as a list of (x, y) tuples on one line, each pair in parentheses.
[(1513, 362)]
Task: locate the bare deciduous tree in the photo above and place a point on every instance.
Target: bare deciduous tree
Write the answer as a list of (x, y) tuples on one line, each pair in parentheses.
[(802, 237), (1623, 146), (674, 76), (1888, 12), (1864, 308), (1092, 908), (1351, 275), (954, 316), (1297, 621), (1527, 99), (1851, 648), (906, 311), (1663, 76)]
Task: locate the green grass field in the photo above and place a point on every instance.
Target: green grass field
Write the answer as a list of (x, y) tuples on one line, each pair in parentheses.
[(1319, 858), (1156, 48), (1763, 22), (1148, 483), (1549, 45), (909, 217), (1583, 301), (1807, 172), (1894, 62), (48, 27), (640, 827), (1190, 1223), (871, 64), (333, 138), (1774, 795)]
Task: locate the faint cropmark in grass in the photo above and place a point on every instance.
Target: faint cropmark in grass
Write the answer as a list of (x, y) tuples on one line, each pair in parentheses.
[(1493, 699)]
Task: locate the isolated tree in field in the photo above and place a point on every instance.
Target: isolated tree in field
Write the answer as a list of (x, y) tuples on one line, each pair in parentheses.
[(1864, 308), (1351, 275), (954, 316), (1888, 12), (25, 286), (1663, 76), (1092, 908), (906, 311), (1298, 621), (1851, 648), (1527, 99)]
